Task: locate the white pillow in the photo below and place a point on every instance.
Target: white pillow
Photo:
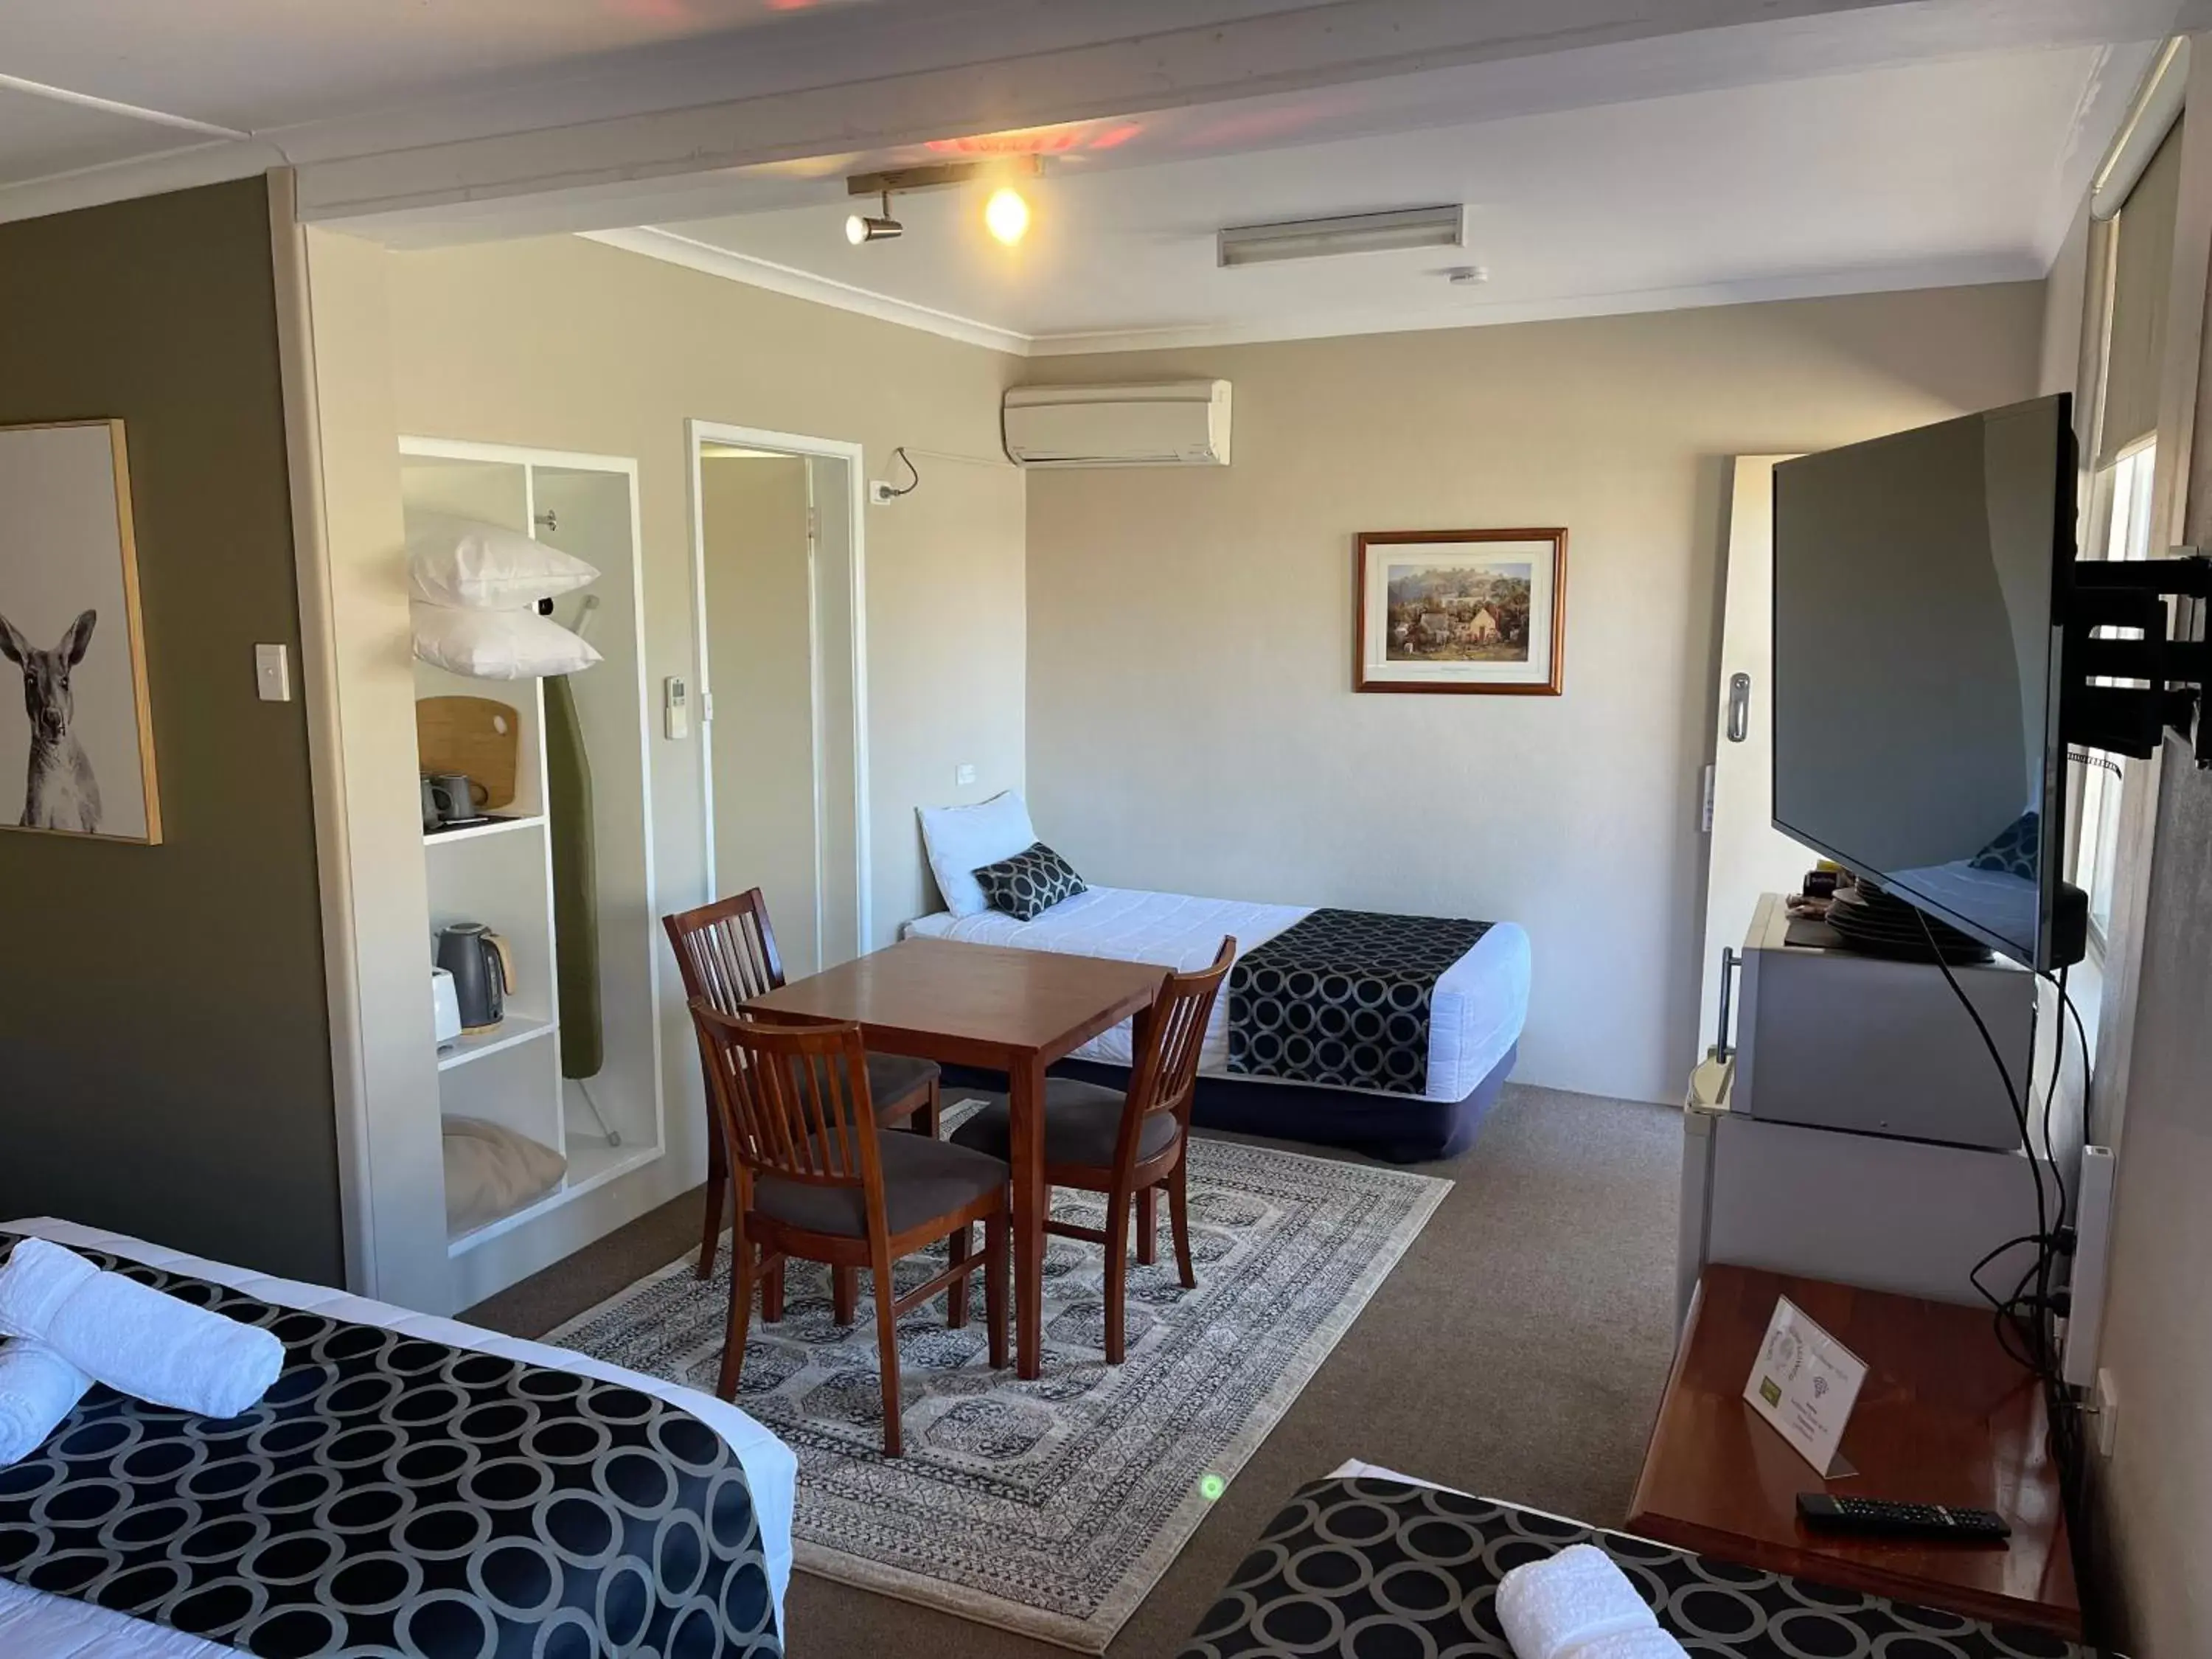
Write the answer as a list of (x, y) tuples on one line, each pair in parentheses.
[(471, 565), (496, 645), (961, 840)]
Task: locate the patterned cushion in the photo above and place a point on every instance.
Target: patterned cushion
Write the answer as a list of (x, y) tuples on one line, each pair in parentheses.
[(2017, 851), (1030, 883)]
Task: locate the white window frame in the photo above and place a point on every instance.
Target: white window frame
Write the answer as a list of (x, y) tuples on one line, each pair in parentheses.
[(2119, 527)]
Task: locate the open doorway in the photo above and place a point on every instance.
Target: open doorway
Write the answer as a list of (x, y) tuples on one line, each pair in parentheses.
[(776, 532)]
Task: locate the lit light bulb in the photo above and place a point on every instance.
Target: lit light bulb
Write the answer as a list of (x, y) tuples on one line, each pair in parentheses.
[(1006, 215), (856, 230)]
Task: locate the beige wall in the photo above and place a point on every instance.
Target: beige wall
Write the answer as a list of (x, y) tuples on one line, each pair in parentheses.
[(2065, 293), (568, 344), (1191, 722), (754, 512)]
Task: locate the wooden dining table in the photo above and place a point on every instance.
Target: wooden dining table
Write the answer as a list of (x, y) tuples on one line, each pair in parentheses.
[(998, 1009)]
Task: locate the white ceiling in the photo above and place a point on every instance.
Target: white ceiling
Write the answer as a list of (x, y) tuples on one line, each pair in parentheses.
[(1614, 154), (1903, 147), (243, 84)]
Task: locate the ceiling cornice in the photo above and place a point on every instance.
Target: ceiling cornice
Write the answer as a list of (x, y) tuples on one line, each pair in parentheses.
[(695, 255), (2025, 265)]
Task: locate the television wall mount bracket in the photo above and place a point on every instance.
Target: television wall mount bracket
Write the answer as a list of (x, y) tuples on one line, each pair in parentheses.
[(2166, 676)]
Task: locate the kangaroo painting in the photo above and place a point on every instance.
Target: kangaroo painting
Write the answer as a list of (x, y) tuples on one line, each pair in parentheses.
[(69, 624), (61, 792)]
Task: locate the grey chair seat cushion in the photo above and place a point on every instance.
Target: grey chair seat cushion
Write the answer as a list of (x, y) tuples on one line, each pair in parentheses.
[(923, 1179), (1082, 1121), (891, 1078)]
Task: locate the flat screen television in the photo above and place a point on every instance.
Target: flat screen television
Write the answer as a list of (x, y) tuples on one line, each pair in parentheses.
[(1918, 585)]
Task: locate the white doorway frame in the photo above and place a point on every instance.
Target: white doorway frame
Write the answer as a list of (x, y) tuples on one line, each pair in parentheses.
[(697, 433)]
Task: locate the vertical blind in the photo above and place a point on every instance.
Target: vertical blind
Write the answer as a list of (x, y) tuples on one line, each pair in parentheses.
[(2143, 262)]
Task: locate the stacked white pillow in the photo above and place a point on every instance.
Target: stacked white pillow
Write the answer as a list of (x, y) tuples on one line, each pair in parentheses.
[(474, 589), (961, 840)]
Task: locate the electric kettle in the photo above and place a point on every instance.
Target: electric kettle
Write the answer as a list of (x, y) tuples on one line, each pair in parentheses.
[(484, 973)]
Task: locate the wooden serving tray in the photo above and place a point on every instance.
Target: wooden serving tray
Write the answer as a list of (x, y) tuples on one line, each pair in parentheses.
[(479, 736)]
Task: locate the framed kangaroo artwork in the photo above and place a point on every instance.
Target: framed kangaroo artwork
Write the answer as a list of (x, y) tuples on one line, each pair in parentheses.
[(1460, 610), (78, 743)]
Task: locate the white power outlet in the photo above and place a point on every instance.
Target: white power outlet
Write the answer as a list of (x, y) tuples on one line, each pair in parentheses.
[(2108, 1413), (882, 492), (963, 775)]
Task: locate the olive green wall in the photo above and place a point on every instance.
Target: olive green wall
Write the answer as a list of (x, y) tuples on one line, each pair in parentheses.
[(164, 1062)]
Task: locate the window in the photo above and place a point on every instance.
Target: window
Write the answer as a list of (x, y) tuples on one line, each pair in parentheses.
[(2119, 529)]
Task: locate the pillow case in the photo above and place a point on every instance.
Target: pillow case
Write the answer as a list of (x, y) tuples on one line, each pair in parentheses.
[(496, 645), (474, 566), (491, 1171), (1030, 883), (960, 840)]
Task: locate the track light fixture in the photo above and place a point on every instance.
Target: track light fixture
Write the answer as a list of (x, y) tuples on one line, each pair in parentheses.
[(1006, 215), (873, 228)]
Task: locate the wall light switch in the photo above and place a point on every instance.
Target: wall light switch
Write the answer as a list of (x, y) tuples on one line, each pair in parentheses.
[(964, 774), (272, 673)]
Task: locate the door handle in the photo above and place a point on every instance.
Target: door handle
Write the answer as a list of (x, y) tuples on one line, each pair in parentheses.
[(1739, 706), (1731, 963)]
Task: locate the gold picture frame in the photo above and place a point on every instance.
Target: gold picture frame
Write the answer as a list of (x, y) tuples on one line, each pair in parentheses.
[(83, 744)]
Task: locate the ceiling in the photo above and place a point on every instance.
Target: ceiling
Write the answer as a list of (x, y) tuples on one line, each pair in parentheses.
[(1890, 146), (1963, 169), (1614, 154)]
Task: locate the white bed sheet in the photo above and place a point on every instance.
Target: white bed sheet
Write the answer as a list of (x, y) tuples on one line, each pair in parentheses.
[(34, 1624), (1480, 1005)]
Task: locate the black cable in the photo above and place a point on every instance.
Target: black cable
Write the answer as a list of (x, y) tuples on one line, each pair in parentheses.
[(2004, 1072), (913, 473), (2062, 1412)]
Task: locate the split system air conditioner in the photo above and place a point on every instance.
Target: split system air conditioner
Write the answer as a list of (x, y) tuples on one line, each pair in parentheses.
[(1173, 423)]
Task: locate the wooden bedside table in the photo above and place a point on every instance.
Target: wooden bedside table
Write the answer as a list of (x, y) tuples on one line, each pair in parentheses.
[(1945, 1417)]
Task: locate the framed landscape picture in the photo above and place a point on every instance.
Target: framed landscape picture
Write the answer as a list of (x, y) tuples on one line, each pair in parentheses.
[(1462, 610), (77, 743)]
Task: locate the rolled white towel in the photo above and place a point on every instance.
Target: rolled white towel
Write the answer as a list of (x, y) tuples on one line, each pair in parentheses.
[(38, 1388), (1554, 1608), (133, 1338), (1645, 1642)]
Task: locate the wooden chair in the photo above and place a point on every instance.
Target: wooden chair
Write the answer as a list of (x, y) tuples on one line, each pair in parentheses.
[(726, 953), (826, 1184), (1126, 1144)]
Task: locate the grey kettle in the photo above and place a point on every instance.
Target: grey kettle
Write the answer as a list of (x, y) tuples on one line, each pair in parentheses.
[(484, 973)]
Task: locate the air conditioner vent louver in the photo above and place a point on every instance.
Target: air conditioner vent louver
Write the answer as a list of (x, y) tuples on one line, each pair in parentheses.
[(1173, 423)]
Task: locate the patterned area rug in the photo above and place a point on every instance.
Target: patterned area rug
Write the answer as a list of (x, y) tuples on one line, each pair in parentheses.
[(1049, 1507)]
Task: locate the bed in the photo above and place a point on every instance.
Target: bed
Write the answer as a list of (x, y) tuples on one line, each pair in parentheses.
[(1477, 1009), (37, 1625), (1315, 1583)]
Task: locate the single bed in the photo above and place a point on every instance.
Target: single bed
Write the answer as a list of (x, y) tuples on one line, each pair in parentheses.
[(1477, 1009), (34, 1624)]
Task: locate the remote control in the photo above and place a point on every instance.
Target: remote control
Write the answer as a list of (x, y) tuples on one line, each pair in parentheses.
[(1880, 1518)]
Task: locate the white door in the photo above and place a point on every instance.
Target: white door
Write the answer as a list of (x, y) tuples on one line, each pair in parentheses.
[(1746, 855)]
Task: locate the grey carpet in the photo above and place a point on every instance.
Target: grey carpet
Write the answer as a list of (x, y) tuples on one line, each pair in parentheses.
[(1518, 1351)]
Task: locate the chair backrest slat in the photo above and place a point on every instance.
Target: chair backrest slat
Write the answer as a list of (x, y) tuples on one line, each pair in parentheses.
[(793, 1099), (727, 950), (1166, 1073)]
